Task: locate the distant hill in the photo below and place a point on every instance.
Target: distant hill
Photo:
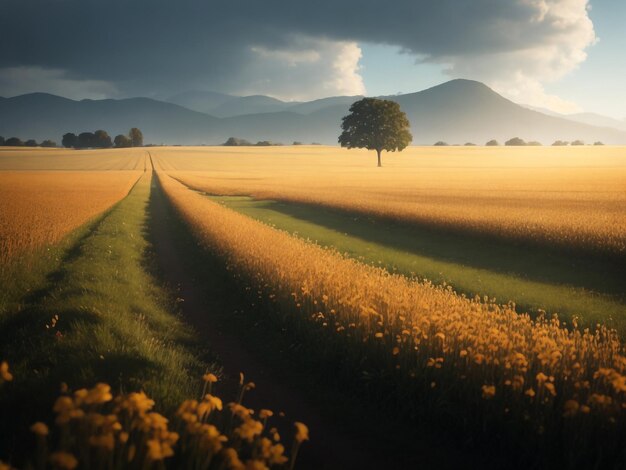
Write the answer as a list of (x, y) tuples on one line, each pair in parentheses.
[(597, 120), (255, 104), (461, 111), (201, 101), (458, 111)]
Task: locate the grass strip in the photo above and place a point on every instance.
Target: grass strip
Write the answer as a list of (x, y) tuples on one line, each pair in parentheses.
[(105, 318), (534, 279)]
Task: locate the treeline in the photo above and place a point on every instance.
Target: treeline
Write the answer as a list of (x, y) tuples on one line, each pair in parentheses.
[(517, 142), (237, 142), (102, 140), (17, 142)]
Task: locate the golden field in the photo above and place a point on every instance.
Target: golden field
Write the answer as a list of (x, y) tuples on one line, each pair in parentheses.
[(21, 158), (431, 340), (422, 350), (569, 196), (39, 208), (46, 193)]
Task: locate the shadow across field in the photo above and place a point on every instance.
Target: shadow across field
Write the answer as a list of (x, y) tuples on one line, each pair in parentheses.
[(534, 276), (540, 264)]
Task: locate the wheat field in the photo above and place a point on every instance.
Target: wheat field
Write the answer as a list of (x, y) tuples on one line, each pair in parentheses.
[(567, 196), (53, 159), (41, 207), (423, 349), (433, 340)]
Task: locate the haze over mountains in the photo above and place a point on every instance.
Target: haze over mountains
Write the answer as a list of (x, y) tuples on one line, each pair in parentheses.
[(457, 111)]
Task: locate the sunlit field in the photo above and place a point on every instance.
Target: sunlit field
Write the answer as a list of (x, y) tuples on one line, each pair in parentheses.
[(566, 196), (39, 208), (473, 292)]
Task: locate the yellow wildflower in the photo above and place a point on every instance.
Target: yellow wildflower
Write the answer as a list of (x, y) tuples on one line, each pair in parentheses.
[(571, 407), (239, 410), (272, 454), (302, 432), (101, 393), (5, 375), (158, 450), (209, 404), (231, 459), (137, 402), (489, 391), (209, 378), (40, 429), (63, 460), (104, 441), (249, 429), (256, 465)]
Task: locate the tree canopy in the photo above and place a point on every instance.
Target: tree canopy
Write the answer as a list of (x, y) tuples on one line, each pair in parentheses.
[(136, 137), (101, 139), (375, 124), (122, 141), (69, 140), (14, 142), (515, 142), (85, 140)]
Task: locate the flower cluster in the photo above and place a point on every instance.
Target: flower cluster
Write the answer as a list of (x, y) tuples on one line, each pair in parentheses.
[(95, 426)]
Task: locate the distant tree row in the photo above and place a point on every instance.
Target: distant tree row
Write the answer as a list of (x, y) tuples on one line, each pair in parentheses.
[(559, 143), (17, 142), (101, 139), (517, 142), (237, 142)]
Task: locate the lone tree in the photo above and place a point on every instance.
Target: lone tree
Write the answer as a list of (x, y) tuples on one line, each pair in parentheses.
[(375, 125)]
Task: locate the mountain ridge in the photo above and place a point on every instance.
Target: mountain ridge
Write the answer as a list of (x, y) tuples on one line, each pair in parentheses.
[(456, 111)]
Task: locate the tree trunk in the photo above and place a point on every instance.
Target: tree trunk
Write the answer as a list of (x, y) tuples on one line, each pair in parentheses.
[(378, 152)]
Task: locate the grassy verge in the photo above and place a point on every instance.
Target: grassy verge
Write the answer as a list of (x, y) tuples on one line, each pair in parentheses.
[(103, 317), (32, 272), (320, 375), (534, 278)]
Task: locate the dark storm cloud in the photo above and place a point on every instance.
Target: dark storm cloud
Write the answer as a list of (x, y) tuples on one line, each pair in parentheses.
[(163, 45)]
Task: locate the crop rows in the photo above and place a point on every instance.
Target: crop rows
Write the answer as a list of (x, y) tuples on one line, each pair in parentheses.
[(437, 346), (39, 208), (566, 198)]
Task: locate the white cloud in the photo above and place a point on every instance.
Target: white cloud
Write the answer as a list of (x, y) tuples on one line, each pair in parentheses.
[(20, 80), (521, 73), (308, 68)]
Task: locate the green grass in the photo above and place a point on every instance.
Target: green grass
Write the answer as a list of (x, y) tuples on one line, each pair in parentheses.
[(30, 273), (533, 277), (115, 325)]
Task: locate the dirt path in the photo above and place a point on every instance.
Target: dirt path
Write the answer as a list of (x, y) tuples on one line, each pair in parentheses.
[(329, 448)]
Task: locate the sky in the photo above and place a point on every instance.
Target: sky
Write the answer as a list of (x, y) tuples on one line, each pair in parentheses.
[(563, 55)]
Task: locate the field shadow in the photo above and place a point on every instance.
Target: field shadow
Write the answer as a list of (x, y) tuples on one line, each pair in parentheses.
[(593, 272)]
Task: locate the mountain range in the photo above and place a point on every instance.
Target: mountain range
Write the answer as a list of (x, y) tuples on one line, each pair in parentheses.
[(457, 111)]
